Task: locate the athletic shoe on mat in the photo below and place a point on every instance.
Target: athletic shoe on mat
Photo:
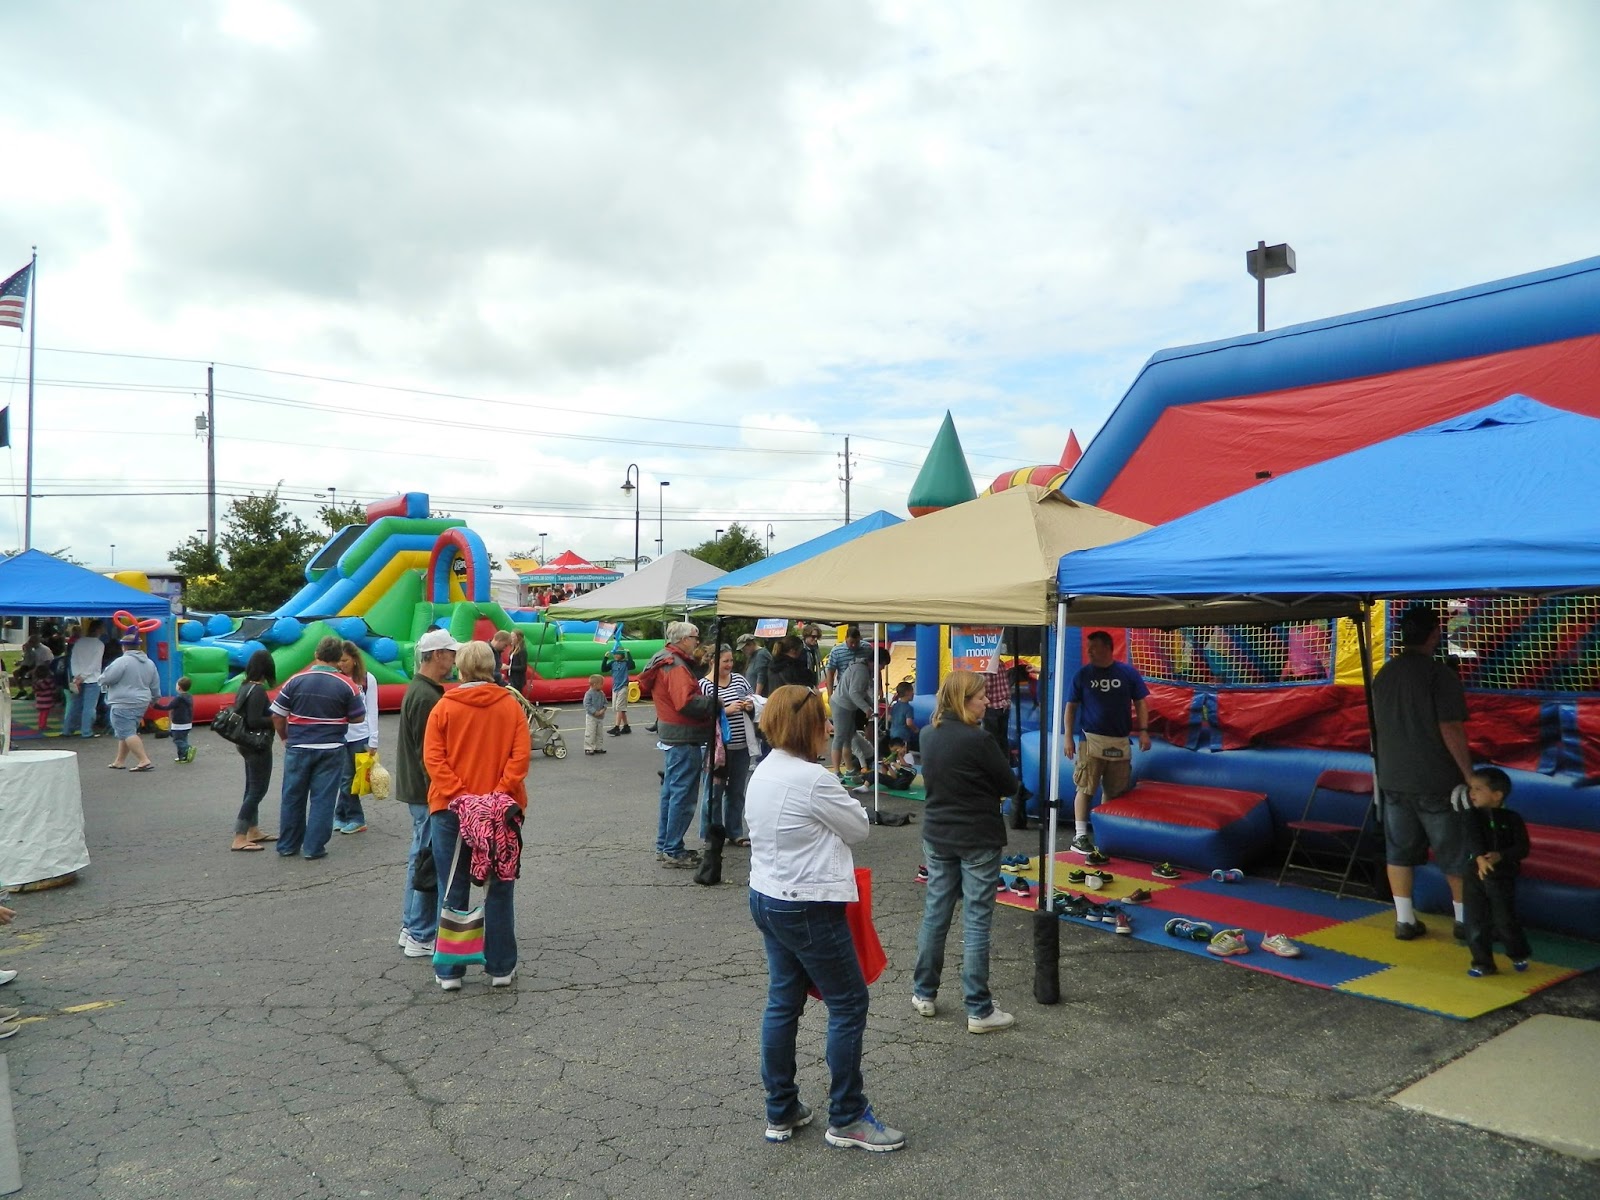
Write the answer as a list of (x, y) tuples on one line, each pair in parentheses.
[(1478, 972), (782, 1131), (1082, 844), (1068, 905), (1095, 910), (1014, 860), (1019, 887), (868, 1133), (1405, 931), (924, 1006), (922, 874), (1076, 875), (996, 1020), (1124, 922), (1189, 931), (1231, 875), (1095, 859), (1519, 964), (999, 885), (1104, 877), (1165, 871), (1277, 943), (1137, 896), (1228, 942)]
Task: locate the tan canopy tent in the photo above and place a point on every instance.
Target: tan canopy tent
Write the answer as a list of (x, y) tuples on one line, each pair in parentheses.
[(990, 561)]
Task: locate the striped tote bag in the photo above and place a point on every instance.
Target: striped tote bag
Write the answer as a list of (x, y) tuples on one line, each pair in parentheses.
[(460, 939)]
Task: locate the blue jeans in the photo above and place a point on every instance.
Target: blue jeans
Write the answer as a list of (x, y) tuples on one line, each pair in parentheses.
[(971, 876), (808, 942), (499, 913), (726, 806), (349, 806), (257, 776), (677, 798), (310, 789), (81, 707), (419, 916), (180, 742)]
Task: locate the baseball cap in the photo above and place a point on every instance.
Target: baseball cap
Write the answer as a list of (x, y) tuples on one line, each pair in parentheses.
[(436, 639), (744, 640)]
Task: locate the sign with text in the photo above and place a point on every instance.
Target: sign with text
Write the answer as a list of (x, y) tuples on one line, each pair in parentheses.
[(975, 648), (605, 631), (772, 627)]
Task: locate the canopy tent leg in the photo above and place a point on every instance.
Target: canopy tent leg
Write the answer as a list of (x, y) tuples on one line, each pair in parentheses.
[(1364, 643), (1046, 926)]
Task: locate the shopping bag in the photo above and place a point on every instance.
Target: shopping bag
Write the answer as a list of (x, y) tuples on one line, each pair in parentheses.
[(459, 942), (858, 916), (379, 779), (361, 785)]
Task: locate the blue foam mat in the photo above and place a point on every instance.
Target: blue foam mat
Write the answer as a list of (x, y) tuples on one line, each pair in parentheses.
[(1296, 899)]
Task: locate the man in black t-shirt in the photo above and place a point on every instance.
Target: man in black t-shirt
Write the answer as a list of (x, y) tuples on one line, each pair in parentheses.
[(1421, 713)]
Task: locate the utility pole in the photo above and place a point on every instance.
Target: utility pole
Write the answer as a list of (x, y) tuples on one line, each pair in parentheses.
[(211, 458), (845, 478)]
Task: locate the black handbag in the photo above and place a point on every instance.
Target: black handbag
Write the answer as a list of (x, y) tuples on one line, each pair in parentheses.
[(229, 725)]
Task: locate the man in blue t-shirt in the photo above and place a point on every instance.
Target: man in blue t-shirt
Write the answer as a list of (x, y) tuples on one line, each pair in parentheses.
[(312, 712), (1111, 697)]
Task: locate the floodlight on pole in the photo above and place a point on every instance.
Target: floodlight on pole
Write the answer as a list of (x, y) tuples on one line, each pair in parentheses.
[(542, 537), (661, 517), (630, 483), (1267, 262)]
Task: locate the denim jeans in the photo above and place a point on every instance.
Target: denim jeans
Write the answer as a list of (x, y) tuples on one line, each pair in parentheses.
[(310, 790), (257, 777), (677, 798), (180, 742), (419, 916), (349, 806), (726, 806), (972, 877), (808, 942), (499, 913), (81, 707)]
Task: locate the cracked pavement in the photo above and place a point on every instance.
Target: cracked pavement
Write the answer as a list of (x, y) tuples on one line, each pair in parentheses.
[(256, 1031)]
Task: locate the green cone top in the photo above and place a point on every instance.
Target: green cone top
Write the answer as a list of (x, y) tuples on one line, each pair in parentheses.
[(945, 479)]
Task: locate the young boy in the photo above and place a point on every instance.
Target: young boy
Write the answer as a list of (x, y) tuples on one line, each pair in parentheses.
[(594, 710), (902, 724), (1497, 839), (894, 771), (46, 692), (181, 706)]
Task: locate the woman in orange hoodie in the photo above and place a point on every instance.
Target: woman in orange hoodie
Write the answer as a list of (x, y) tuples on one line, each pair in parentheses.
[(477, 744)]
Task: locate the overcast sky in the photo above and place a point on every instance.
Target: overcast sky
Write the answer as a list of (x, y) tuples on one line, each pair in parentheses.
[(497, 252)]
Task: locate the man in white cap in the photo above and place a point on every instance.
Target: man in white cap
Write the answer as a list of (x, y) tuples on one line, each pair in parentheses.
[(436, 658)]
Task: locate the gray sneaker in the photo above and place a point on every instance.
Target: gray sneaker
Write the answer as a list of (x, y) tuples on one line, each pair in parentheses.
[(782, 1131), (868, 1133), (688, 859), (1082, 844)]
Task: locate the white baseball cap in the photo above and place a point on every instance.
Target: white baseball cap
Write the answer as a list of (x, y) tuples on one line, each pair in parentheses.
[(436, 639)]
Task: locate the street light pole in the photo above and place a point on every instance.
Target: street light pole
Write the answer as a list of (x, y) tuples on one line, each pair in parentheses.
[(769, 541), (630, 483), (661, 517), (1267, 262), (542, 537)]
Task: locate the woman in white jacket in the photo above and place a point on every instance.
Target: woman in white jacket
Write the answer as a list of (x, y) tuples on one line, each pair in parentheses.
[(802, 825)]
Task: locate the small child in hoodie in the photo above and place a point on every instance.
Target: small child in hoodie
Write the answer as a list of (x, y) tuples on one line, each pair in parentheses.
[(594, 711), (1498, 840), (46, 693), (181, 706)]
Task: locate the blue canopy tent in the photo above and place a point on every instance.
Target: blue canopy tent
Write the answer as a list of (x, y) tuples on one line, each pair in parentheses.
[(706, 593)]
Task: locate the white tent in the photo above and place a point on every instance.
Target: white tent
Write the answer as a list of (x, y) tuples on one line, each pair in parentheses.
[(657, 592)]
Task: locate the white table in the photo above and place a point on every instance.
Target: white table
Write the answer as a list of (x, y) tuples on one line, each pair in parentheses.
[(41, 816)]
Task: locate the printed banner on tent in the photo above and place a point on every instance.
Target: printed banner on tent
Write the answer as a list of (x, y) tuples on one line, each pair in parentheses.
[(772, 627), (975, 648), (605, 631)]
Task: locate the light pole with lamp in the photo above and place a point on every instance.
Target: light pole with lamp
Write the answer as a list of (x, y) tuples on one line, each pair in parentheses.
[(661, 517), (113, 554), (1267, 262), (769, 541), (630, 483), (542, 537)]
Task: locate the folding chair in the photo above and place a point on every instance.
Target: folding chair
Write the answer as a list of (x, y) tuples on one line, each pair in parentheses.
[(1336, 843)]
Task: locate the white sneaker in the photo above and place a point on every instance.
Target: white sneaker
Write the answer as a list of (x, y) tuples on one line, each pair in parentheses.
[(923, 1005), (6, 977), (414, 948), (502, 980), (449, 985), (994, 1021)]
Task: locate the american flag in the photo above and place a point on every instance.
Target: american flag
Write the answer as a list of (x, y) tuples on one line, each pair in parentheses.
[(14, 297)]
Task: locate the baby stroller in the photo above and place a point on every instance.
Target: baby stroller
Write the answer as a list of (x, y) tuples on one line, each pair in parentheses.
[(542, 730)]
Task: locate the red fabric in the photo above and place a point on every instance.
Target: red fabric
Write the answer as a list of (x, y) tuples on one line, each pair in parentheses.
[(858, 915), (1563, 856), (1182, 804), (1198, 453)]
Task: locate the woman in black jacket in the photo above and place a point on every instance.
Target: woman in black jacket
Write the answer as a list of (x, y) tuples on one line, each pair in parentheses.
[(963, 835), (789, 666), (253, 704)]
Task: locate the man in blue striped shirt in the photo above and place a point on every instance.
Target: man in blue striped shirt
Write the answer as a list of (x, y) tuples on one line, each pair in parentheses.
[(311, 713)]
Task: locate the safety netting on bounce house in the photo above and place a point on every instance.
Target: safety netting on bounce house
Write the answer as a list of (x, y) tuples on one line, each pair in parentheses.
[(1261, 711)]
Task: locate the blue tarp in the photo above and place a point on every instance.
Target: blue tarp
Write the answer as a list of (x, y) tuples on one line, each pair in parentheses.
[(706, 593), (1505, 498), (32, 584)]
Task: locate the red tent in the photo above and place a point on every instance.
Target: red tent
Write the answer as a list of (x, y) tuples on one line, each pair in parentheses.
[(568, 567)]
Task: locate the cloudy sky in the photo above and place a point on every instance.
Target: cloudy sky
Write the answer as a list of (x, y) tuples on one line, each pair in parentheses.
[(498, 252)]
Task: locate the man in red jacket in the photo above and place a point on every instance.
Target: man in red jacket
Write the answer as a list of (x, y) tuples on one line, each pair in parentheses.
[(684, 715)]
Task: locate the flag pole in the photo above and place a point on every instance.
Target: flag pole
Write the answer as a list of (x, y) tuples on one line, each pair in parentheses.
[(33, 324)]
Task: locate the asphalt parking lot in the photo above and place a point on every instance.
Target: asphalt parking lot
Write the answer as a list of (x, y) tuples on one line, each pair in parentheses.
[(218, 1024)]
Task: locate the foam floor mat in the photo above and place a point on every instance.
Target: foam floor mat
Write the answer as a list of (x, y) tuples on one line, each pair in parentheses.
[(1347, 944)]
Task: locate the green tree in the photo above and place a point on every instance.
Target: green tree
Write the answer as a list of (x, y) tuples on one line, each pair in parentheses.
[(737, 547), (261, 557), (337, 516)]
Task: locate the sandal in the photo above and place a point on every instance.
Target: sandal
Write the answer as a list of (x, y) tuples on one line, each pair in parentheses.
[(742, 842), (115, 767), (246, 846), (149, 766), (255, 835)]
